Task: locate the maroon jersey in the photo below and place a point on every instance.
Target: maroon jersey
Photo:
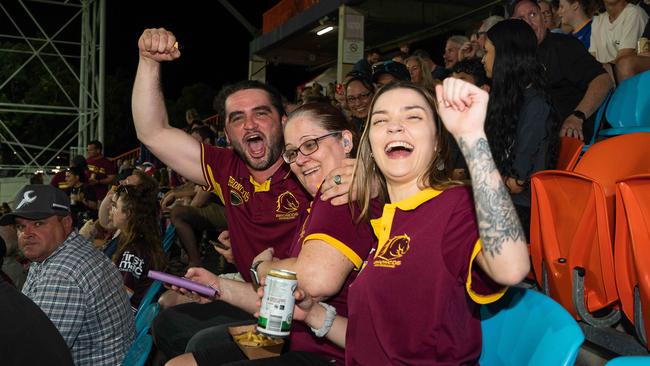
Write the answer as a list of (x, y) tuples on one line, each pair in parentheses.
[(334, 225), (58, 180), (100, 168), (259, 215), (416, 300)]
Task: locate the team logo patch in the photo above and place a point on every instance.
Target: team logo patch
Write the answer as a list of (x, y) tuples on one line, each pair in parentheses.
[(238, 194), (394, 249), (287, 206), (235, 198)]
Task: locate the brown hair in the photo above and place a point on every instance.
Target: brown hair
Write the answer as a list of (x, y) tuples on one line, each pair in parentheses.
[(367, 175), (329, 118), (142, 231)]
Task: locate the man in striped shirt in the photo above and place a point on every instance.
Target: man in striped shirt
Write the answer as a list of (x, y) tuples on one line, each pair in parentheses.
[(77, 287)]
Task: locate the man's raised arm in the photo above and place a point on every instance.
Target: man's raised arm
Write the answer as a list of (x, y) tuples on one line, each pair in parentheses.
[(172, 146)]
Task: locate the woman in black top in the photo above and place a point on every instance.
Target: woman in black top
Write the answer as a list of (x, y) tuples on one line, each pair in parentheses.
[(521, 124)]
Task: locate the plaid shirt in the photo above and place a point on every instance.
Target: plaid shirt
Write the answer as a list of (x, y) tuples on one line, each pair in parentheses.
[(81, 291)]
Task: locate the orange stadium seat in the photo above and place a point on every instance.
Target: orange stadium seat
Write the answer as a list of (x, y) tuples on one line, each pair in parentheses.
[(632, 251), (572, 226), (570, 149)]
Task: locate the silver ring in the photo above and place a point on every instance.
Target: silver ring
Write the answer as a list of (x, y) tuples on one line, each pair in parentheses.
[(337, 179)]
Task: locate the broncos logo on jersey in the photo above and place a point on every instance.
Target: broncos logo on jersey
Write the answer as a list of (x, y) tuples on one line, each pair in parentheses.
[(390, 253), (287, 206)]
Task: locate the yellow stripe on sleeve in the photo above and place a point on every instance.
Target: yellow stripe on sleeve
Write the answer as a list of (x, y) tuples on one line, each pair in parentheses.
[(340, 246), (204, 168), (478, 298)]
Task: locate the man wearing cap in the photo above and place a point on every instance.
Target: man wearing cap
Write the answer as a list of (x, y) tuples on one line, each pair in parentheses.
[(77, 287), (388, 71)]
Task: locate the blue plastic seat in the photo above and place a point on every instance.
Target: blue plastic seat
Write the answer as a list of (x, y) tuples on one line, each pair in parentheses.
[(526, 327), (630, 361), (150, 296), (628, 110), (168, 238), (138, 353), (145, 317)]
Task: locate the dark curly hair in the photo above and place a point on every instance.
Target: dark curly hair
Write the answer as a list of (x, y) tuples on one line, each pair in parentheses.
[(516, 68), (142, 232)]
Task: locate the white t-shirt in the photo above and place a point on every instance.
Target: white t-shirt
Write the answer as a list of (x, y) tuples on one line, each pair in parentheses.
[(607, 38)]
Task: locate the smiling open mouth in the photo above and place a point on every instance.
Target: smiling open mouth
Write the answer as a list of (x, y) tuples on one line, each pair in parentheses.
[(310, 171), (398, 149), (255, 143)]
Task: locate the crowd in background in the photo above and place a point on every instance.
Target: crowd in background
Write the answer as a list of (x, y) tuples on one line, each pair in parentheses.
[(547, 67)]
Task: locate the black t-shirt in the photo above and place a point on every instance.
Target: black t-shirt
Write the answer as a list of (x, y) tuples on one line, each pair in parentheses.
[(646, 31), (27, 336), (134, 265), (569, 70), (79, 210)]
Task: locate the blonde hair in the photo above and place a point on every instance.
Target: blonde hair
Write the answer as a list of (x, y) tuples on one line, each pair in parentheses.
[(366, 173), (425, 72)]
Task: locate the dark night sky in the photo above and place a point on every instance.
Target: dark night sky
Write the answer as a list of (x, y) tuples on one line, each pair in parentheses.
[(215, 44)]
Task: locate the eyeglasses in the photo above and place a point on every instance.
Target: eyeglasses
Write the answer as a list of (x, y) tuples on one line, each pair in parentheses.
[(306, 148), (124, 188), (357, 98)]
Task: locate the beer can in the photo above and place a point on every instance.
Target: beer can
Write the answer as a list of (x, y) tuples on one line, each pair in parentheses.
[(643, 45), (276, 311)]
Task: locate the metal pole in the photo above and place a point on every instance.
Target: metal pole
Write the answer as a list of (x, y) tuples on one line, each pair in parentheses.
[(81, 140), (102, 68)]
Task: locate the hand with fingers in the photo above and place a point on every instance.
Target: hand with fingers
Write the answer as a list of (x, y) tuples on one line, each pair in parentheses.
[(226, 248), (572, 127), (336, 185), (202, 276), (158, 45), (462, 107)]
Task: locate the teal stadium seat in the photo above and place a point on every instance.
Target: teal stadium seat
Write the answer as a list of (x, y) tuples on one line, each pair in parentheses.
[(628, 110), (145, 317), (139, 351), (630, 361), (526, 327), (168, 238), (150, 296)]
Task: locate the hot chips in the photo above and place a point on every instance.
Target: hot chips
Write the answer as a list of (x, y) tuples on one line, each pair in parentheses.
[(253, 339)]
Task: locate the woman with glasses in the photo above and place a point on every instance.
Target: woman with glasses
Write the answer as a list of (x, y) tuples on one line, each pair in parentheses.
[(521, 121), (326, 254), (416, 299), (358, 94), (139, 249)]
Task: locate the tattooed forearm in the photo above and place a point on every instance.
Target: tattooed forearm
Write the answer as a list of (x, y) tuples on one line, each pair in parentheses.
[(498, 222)]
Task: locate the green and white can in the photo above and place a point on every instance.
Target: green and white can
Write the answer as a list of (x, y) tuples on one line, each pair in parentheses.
[(276, 311)]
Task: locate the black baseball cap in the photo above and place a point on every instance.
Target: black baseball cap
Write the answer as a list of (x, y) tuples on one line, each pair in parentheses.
[(397, 69), (37, 202)]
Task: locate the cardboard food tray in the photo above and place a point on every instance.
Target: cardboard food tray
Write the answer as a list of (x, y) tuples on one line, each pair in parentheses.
[(254, 353)]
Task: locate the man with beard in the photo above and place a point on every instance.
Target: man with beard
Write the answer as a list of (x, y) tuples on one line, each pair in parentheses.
[(263, 200)]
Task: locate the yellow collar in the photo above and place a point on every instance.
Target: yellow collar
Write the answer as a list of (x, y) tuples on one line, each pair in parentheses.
[(382, 226), (261, 187)]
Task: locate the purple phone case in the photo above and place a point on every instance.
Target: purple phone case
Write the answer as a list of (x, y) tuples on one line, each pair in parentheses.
[(183, 282)]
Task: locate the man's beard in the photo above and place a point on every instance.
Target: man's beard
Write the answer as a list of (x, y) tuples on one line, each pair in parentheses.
[(274, 150)]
